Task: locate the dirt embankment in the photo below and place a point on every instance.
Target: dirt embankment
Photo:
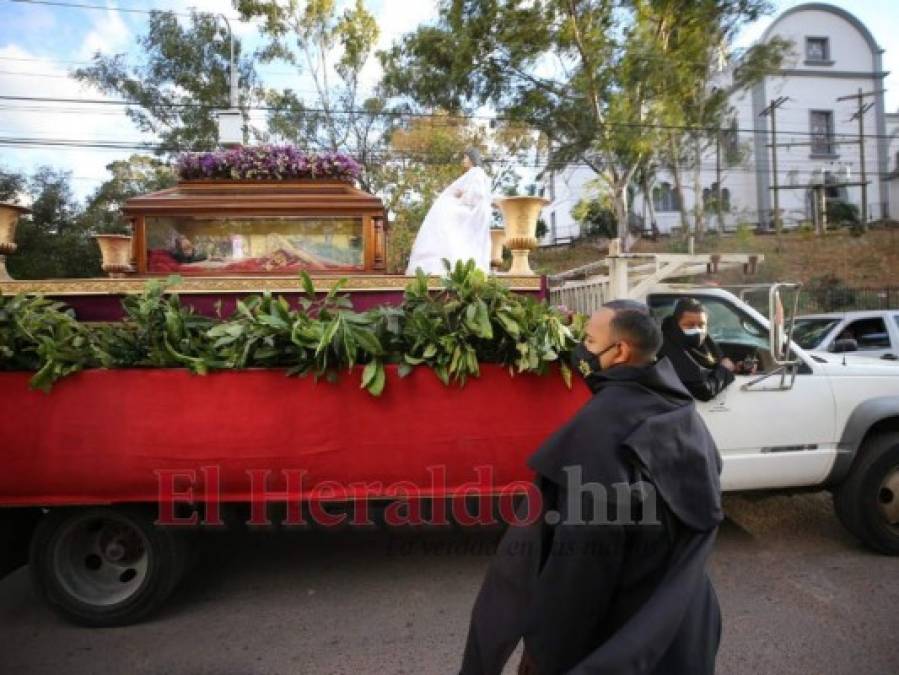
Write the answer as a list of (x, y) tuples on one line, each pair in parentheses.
[(867, 261)]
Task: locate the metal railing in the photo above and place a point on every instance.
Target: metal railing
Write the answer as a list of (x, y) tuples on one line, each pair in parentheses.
[(824, 300)]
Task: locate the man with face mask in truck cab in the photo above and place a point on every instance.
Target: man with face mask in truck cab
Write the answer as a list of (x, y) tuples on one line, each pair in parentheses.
[(697, 360)]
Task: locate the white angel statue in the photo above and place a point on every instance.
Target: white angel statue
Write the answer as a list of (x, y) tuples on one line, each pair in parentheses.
[(457, 226)]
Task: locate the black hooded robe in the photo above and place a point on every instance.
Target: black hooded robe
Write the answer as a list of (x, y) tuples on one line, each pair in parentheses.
[(612, 598), (699, 369)]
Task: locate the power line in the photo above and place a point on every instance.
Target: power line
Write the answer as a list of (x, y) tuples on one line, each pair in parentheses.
[(262, 68), (24, 74), (408, 114), (126, 10), (122, 145)]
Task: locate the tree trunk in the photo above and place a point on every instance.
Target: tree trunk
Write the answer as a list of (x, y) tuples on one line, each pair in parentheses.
[(620, 199), (698, 204), (678, 186), (647, 198)]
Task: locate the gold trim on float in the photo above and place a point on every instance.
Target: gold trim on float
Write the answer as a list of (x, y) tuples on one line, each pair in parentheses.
[(131, 286)]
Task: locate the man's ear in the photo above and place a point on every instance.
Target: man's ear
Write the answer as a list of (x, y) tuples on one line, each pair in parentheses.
[(625, 353)]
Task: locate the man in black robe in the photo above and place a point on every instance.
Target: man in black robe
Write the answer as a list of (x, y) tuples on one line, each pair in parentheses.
[(697, 359), (627, 592)]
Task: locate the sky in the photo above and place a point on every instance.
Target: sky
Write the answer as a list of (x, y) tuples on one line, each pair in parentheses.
[(41, 43)]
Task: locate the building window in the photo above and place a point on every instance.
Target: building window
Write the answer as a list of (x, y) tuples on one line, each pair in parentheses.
[(817, 50), (731, 144), (552, 186), (710, 194), (821, 127), (664, 198)]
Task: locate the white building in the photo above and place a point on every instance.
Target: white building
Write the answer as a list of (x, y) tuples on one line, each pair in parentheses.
[(835, 56)]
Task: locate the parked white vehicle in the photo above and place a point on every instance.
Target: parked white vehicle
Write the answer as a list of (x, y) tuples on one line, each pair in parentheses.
[(803, 420), (871, 334)]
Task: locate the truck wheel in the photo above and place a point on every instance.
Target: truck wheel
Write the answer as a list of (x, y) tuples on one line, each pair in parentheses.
[(867, 502), (103, 566)]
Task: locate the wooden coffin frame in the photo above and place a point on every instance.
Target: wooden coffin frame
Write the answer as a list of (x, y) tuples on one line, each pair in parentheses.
[(263, 198)]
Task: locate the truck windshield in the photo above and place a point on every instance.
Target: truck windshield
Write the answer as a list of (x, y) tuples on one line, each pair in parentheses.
[(809, 333), (727, 324)]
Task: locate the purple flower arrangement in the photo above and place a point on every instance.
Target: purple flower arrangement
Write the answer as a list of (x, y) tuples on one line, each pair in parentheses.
[(266, 162)]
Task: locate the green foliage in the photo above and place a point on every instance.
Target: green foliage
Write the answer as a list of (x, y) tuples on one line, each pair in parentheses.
[(471, 320), (53, 241), (319, 41), (690, 43), (595, 218), (475, 319), (56, 238), (11, 186), (841, 214), (745, 236), (158, 331), (137, 175), (428, 155), (182, 74), (830, 293), (40, 335), (591, 109)]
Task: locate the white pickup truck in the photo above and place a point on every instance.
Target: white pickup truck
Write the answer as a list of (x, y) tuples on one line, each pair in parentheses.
[(802, 421), (864, 334)]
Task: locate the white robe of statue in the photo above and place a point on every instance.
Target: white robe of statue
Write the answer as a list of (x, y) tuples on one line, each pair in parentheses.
[(457, 227)]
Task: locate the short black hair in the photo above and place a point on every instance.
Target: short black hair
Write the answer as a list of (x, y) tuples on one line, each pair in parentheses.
[(634, 323), (691, 305), (474, 155)]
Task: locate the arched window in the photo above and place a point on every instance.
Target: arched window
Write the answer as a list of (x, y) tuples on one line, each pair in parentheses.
[(664, 198), (709, 195)]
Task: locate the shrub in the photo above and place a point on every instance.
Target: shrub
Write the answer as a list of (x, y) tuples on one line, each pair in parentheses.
[(473, 319)]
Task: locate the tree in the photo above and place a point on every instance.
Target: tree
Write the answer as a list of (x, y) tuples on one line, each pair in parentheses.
[(181, 77), (137, 175), (694, 43), (572, 70), (595, 217), (12, 185), (53, 241), (332, 48)]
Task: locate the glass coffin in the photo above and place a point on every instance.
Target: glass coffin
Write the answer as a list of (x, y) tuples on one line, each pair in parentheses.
[(225, 228)]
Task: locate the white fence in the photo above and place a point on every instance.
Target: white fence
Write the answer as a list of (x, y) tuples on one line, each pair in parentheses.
[(581, 296)]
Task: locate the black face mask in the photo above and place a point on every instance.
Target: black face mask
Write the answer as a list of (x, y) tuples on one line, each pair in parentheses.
[(585, 362), (693, 339)]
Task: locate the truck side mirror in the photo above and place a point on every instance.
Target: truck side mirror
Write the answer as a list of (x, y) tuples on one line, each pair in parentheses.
[(844, 345), (781, 324)]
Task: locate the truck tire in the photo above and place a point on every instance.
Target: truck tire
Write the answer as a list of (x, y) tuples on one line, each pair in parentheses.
[(105, 566), (867, 502)]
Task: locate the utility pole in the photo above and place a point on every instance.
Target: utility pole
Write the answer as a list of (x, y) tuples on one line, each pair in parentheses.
[(771, 111), (718, 180), (862, 108)]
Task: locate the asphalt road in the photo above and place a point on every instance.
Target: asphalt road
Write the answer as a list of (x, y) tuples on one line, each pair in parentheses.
[(799, 595)]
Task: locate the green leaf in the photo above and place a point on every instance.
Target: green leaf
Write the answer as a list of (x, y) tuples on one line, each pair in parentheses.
[(375, 383), (308, 286), (368, 374), (485, 329)]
